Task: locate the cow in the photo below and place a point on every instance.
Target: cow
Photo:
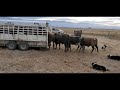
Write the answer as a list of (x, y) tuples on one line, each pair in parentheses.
[(99, 67), (77, 32), (51, 38), (66, 39), (58, 39), (66, 42), (113, 57), (61, 39), (93, 42), (73, 40)]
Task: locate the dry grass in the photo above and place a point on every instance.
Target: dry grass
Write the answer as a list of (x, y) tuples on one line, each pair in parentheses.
[(112, 34)]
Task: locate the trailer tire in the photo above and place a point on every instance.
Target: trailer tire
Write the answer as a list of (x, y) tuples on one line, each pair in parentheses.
[(23, 46), (11, 45)]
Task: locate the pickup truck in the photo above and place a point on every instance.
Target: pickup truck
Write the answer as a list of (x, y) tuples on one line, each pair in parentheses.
[(57, 31)]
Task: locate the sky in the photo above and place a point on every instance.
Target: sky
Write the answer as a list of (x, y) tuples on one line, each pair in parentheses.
[(106, 21), (109, 21)]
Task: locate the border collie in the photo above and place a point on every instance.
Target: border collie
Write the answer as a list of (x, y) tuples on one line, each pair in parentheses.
[(104, 47), (99, 67), (113, 57)]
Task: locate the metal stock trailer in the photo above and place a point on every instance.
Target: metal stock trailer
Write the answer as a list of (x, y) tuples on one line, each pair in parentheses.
[(23, 35)]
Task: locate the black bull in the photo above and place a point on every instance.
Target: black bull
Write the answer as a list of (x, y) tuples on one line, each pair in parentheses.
[(51, 38), (73, 40), (65, 39), (55, 38)]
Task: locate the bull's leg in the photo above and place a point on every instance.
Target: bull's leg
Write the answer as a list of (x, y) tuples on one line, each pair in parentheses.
[(69, 47), (59, 46), (77, 47), (97, 48), (49, 44), (83, 48), (53, 45), (92, 49), (80, 48), (56, 46), (65, 47)]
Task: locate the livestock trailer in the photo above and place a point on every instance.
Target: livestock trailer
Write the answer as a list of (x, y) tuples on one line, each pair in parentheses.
[(23, 34)]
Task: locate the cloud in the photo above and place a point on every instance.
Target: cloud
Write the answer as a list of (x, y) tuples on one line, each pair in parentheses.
[(100, 20), (108, 21)]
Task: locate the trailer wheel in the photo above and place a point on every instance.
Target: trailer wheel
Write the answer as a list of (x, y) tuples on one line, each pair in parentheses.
[(23, 46), (11, 45)]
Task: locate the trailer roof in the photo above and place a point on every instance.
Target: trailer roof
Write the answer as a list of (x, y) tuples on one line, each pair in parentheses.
[(23, 23)]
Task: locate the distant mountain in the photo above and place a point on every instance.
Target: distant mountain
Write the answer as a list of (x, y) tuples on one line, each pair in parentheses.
[(62, 23), (5, 18), (80, 25)]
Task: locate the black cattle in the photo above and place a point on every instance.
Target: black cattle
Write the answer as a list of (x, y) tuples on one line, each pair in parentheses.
[(58, 39), (74, 40), (113, 57), (62, 39), (51, 38), (99, 67), (66, 41)]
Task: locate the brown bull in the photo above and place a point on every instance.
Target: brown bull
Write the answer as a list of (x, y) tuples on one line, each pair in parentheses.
[(93, 42), (77, 32)]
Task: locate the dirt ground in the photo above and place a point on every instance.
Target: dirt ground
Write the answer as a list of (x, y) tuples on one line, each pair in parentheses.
[(57, 61)]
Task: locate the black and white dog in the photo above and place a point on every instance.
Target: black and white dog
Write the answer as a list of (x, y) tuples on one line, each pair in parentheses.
[(99, 67), (104, 47), (113, 57)]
